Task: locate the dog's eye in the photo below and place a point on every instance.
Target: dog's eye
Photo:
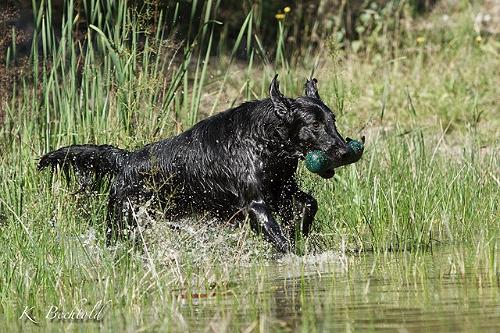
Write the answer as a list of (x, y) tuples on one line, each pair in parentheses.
[(316, 124)]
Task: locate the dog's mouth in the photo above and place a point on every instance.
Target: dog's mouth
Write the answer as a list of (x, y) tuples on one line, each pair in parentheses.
[(328, 173)]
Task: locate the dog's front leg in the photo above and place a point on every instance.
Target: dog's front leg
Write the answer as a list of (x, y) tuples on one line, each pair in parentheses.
[(262, 221), (297, 209), (307, 208)]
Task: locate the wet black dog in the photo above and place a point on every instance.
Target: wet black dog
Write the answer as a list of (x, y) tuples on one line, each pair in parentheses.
[(238, 162)]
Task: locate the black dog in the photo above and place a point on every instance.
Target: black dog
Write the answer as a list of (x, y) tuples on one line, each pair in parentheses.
[(238, 162)]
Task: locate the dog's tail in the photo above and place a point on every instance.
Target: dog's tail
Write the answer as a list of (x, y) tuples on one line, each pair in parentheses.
[(90, 162)]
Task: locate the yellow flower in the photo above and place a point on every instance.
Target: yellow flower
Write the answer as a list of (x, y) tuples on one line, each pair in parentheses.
[(280, 16), (479, 39), (287, 9), (420, 40)]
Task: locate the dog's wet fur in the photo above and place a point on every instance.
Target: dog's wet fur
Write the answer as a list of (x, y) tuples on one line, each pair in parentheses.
[(236, 164)]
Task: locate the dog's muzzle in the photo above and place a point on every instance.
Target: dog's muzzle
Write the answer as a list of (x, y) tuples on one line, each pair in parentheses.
[(327, 173)]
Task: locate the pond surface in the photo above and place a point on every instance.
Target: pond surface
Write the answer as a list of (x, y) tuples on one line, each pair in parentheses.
[(448, 291)]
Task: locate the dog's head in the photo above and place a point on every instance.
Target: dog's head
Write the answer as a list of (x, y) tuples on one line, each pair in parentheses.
[(311, 125)]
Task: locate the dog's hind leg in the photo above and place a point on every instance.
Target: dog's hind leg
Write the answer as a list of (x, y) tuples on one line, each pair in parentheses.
[(123, 202), (118, 215)]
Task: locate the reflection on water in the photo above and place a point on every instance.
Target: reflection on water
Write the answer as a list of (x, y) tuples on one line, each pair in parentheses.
[(325, 293)]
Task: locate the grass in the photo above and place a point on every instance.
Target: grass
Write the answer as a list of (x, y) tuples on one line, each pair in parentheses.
[(419, 211)]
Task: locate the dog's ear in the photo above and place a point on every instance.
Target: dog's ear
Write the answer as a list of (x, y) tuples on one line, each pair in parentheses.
[(281, 103), (311, 89)]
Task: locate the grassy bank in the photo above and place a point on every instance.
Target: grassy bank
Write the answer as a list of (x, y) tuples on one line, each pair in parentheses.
[(428, 182)]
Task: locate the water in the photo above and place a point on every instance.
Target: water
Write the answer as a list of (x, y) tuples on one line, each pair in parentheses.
[(444, 291)]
